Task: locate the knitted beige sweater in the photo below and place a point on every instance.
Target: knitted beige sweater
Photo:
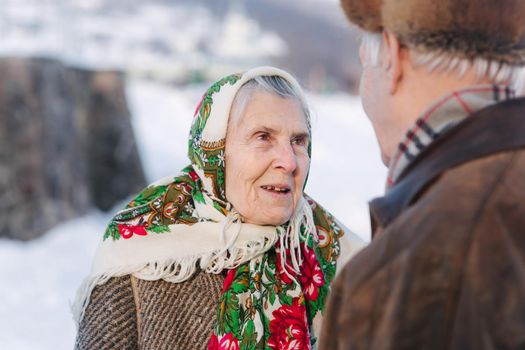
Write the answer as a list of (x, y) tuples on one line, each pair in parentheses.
[(127, 313)]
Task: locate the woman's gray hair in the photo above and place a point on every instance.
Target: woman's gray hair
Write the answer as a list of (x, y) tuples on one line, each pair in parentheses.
[(441, 61), (272, 84)]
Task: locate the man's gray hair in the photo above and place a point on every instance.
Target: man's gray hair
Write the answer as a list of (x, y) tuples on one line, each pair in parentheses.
[(272, 84), (440, 61)]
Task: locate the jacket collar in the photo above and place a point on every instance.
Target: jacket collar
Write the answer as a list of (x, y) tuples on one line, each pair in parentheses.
[(497, 128), (443, 114)]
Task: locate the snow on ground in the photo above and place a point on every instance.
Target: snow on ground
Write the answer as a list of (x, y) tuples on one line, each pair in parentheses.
[(39, 278)]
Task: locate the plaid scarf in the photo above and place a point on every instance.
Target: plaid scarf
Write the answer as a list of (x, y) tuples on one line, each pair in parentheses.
[(443, 115), (278, 277)]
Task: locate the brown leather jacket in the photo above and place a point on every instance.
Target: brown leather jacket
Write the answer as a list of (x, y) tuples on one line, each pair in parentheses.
[(446, 268)]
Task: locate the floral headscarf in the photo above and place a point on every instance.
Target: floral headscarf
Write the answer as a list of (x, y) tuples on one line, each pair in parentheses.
[(277, 277)]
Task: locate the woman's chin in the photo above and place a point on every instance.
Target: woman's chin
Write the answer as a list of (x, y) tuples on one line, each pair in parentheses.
[(269, 219)]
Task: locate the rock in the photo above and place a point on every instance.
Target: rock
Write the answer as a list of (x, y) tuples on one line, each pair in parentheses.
[(66, 144)]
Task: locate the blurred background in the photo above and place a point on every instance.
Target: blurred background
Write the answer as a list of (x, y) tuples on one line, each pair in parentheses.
[(95, 95)]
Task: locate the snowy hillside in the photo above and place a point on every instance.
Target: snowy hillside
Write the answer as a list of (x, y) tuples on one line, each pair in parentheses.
[(168, 41)]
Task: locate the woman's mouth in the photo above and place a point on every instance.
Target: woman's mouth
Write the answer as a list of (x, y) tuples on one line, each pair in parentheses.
[(278, 189)]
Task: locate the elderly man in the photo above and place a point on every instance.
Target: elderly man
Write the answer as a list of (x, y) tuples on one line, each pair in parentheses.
[(446, 267)]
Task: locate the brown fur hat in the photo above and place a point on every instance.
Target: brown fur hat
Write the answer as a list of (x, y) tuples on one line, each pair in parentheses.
[(490, 29)]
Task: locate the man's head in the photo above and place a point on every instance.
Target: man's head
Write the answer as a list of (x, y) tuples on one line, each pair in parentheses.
[(415, 51)]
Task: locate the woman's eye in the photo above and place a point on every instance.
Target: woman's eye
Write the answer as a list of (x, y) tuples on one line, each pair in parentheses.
[(263, 137), (300, 141)]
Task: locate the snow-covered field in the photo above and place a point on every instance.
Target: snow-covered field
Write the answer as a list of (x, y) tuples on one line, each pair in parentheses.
[(39, 279)]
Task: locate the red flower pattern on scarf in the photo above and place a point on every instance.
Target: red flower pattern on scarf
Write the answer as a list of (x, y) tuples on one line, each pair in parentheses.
[(289, 329), (227, 342), (311, 276), (228, 280), (193, 175), (285, 277), (127, 231), (214, 342), (199, 106)]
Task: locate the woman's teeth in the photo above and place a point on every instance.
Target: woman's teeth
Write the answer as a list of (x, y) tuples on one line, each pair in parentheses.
[(276, 189)]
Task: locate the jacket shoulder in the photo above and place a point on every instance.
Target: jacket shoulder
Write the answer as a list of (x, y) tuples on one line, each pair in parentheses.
[(432, 272), (452, 209)]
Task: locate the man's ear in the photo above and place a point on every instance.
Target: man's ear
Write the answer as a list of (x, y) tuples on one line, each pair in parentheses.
[(392, 60)]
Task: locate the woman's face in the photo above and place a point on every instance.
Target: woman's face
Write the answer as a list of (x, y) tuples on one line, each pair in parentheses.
[(267, 159)]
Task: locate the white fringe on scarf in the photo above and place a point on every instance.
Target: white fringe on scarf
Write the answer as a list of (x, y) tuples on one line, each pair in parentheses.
[(291, 239), (173, 256)]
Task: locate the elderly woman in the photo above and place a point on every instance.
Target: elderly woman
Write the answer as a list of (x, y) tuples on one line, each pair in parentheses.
[(230, 253)]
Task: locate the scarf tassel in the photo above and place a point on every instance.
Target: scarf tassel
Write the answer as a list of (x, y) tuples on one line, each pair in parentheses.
[(290, 239)]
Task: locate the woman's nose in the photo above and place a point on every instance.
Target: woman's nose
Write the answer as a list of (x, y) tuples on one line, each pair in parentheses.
[(286, 158)]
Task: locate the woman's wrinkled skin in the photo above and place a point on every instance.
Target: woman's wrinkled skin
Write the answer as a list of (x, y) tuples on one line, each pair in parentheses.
[(267, 159)]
